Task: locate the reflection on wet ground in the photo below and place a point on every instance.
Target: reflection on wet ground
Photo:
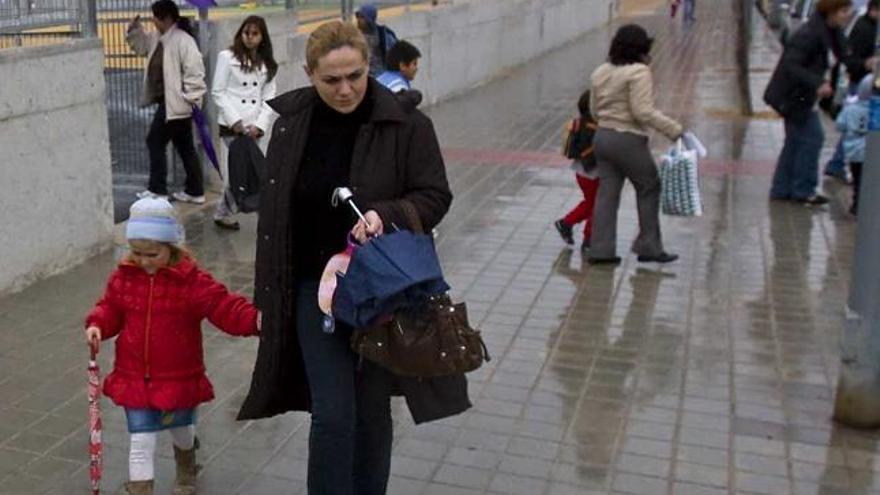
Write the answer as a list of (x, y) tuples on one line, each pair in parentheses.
[(713, 375)]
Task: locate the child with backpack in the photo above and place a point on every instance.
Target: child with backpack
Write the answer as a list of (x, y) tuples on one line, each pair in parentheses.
[(154, 304), (578, 146), (852, 121)]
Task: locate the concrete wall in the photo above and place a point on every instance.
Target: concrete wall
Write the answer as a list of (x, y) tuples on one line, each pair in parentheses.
[(56, 193)]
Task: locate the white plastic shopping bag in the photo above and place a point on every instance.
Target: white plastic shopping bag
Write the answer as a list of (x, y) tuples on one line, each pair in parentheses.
[(679, 182)]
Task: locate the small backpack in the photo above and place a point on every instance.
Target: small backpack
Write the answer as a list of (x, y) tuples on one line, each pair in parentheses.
[(578, 142)]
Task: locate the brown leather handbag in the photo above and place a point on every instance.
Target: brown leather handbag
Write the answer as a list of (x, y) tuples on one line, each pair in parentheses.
[(428, 340)]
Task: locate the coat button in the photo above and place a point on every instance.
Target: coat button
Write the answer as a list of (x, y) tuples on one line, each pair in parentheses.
[(244, 101), (266, 288), (281, 129), (254, 102), (271, 181), (266, 237), (255, 83), (244, 83)]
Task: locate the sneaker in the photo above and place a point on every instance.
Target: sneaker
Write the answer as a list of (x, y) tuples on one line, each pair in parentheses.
[(564, 231), (814, 200), (146, 193), (842, 176), (186, 198)]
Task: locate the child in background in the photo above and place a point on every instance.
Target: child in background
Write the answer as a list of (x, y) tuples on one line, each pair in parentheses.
[(154, 303), (853, 123), (579, 147), (402, 65)]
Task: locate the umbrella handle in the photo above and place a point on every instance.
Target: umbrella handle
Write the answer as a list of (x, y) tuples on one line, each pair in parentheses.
[(93, 349)]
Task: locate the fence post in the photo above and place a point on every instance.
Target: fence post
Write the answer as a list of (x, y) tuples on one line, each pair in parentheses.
[(857, 401), (744, 27), (90, 18)]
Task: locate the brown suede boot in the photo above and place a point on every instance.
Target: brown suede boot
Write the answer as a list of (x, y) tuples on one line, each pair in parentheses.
[(139, 487), (185, 482)]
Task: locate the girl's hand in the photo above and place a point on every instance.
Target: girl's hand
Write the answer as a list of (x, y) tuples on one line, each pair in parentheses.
[(362, 232), (93, 336), (238, 128)]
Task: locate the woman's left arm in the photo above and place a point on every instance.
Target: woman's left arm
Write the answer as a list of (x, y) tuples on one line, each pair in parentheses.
[(641, 103), (425, 184), (267, 114), (192, 72)]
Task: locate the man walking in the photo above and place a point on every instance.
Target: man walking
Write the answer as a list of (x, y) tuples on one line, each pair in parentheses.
[(380, 38), (174, 80), (859, 62)]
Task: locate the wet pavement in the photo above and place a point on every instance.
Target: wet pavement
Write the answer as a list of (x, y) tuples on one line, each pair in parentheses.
[(713, 375)]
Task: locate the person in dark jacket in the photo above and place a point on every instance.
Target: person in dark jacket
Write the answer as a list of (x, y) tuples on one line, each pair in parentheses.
[(859, 62), (798, 81), (380, 38), (344, 130)]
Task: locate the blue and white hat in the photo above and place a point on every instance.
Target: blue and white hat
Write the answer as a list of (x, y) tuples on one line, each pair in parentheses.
[(154, 219)]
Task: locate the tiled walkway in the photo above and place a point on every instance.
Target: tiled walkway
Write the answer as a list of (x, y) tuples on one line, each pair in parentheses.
[(713, 375)]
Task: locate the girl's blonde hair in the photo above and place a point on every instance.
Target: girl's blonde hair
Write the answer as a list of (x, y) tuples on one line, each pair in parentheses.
[(331, 36), (178, 252)]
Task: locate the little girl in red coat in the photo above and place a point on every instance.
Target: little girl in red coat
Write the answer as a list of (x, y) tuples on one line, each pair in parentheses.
[(154, 304)]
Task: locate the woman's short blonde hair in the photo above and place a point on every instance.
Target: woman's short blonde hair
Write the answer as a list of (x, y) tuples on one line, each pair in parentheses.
[(331, 36)]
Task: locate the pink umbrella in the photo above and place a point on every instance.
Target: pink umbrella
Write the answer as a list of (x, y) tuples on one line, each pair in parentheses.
[(95, 426)]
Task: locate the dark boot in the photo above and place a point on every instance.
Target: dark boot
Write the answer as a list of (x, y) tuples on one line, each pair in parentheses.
[(139, 487), (185, 481)]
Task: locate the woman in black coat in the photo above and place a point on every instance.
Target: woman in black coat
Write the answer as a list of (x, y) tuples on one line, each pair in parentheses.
[(800, 79), (344, 130)]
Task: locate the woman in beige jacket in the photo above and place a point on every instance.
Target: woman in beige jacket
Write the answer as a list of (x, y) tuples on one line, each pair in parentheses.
[(174, 80), (623, 105)]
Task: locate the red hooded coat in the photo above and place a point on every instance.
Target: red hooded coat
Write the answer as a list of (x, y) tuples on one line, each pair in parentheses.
[(157, 318)]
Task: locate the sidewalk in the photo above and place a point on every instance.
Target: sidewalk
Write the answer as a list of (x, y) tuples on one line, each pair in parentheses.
[(713, 375)]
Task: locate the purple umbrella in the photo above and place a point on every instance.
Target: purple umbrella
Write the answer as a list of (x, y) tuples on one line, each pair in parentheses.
[(205, 133), (203, 4)]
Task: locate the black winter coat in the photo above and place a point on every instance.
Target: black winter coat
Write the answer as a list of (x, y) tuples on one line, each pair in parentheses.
[(802, 68), (396, 155), (861, 47)]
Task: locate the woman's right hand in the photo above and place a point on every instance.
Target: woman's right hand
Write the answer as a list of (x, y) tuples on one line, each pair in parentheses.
[(238, 128), (93, 336), (135, 23)]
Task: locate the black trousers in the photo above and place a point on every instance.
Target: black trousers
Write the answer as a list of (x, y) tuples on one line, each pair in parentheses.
[(179, 132)]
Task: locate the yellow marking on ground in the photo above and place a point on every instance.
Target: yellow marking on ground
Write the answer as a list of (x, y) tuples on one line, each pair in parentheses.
[(633, 8)]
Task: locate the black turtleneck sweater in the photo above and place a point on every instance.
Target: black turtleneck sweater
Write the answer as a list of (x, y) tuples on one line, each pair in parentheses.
[(322, 230)]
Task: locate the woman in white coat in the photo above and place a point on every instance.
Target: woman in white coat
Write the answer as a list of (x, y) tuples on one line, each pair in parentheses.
[(243, 80)]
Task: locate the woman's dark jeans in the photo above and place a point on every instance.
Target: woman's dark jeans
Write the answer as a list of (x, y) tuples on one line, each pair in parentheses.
[(797, 171), (179, 132), (350, 439)]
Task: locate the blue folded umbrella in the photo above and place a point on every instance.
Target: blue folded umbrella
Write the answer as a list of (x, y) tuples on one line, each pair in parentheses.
[(388, 273)]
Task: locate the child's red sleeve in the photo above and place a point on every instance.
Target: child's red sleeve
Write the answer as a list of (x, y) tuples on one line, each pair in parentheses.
[(230, 312), (107, 315)]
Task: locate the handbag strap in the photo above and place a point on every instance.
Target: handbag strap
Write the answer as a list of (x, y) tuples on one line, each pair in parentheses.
[(412, 216)]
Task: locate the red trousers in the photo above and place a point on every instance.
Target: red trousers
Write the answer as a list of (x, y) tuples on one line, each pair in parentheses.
[(583, 212)]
